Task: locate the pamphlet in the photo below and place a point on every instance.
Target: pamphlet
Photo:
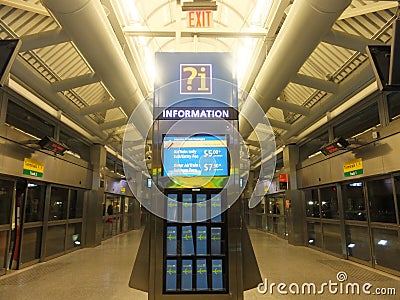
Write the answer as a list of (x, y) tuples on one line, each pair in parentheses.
[(171, 240), (217, 274), (201, 279), (216, 208), (186, 208), (170, 276), (201, 240), (187, 241), (172, 208), (187, 271)]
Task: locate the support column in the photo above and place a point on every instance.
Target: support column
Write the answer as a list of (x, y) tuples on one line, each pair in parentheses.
[(295, 217), (3, 107), (94, 213)]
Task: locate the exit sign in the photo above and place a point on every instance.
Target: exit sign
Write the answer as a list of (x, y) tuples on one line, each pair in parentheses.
[(199, 19)]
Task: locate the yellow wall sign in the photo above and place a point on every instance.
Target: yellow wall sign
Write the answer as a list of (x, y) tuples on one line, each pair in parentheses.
[(33, 167), (353, 168)]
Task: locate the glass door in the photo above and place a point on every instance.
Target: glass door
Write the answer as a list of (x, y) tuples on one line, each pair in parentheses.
[(358, 243), (6, 195), (32, 209)]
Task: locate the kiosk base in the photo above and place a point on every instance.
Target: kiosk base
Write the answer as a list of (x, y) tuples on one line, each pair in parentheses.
[(148, 273)]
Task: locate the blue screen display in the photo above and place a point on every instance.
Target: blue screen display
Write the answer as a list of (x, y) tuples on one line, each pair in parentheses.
[(197, 155)]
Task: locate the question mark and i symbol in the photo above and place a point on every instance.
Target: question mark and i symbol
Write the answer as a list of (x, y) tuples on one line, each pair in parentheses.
[(194, 72)]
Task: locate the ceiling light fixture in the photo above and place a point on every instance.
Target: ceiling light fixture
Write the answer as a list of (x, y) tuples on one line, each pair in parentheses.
[(199, 5)]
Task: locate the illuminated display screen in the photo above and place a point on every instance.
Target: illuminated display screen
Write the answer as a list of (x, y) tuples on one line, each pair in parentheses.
[(337, 144), (197, 155)]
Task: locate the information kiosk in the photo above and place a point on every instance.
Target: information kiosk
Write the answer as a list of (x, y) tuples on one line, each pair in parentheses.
[(196, 246)]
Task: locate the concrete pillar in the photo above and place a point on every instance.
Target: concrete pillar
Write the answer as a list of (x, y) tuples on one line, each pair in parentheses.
[(94, 212), (295, 217)]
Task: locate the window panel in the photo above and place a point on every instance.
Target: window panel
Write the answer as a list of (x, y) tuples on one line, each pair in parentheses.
[(31, 244), (75, 145), (34, 207), (358, 122), (313, 146), (312, 203), (6, 191), (357, 242), (76, 204), (332, 238), (27, 121), (58, 203), (387, 248), (380, 196), (55, 240), (397, 187), (393, 101), (354, 202), (74, 235), (314, 234), (329, 203)]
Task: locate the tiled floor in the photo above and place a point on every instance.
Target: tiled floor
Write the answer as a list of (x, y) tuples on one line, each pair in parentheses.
[(103, 273), (280, 262)]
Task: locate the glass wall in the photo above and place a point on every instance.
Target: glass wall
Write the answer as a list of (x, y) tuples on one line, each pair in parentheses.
[(354, 201), (369, 211), (322, 217), (58, 203), (6, 194), (358, 242), (270, 215), (314, 234), (312, 203), (381, 200), (329, 203), (332, 238), (386, 248), (65, 217)]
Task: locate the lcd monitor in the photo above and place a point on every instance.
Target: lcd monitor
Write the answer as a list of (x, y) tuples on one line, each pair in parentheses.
[(196, 155), (8, 53)]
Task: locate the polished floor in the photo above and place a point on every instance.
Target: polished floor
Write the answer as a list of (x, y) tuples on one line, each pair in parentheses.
[(104, 272)]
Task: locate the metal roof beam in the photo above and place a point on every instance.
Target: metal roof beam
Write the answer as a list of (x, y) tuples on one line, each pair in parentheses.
[(318, 17), (287, 106), (315, 83), (23, 5), (368, 8), (355, 82), (279, 124), (200, 32), (24, 72), (43, 39), (92, 109), (349, 41), (254, 152), (74, 82), (113, 124), (107, 59)]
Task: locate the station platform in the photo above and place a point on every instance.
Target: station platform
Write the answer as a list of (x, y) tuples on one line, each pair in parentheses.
[(103, 272)]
